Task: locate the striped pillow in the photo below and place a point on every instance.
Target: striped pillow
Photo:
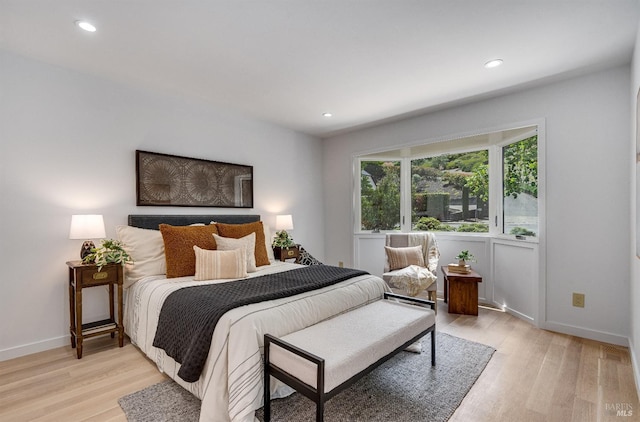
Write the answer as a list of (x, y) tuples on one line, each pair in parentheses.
[(403, 257), (213, 265)]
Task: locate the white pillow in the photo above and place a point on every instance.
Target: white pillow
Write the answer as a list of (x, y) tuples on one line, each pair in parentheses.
[(267, 241), (214, 265), (146, 248), (248, 243)]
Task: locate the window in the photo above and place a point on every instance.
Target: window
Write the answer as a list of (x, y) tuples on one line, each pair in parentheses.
[(379, 195), (484, 183), (449, 192), (520, 187)]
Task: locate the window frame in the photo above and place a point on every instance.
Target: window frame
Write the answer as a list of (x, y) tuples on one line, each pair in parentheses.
[(496, 175)]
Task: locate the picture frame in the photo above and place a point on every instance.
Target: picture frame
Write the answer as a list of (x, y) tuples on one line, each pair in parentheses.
[(176, 181)]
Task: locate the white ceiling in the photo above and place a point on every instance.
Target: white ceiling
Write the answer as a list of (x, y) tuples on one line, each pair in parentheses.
[(288, 61)]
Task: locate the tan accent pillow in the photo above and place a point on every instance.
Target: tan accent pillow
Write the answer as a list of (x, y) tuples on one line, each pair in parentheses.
[(214, 265), (237, 231), (248, 243), (403, 257), (146, 248), (178, 247)]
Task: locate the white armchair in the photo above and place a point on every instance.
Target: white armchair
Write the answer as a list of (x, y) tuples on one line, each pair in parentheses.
[(413, 278)]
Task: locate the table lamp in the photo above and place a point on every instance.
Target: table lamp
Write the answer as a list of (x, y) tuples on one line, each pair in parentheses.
[(87, 227), (284, 222)]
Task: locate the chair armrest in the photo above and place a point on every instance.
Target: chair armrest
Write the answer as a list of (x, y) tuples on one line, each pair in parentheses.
[(433, 258)]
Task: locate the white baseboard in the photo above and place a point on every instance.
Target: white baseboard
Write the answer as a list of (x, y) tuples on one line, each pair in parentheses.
[(634, 366), (40, 346), (586, 333), (519, 314)]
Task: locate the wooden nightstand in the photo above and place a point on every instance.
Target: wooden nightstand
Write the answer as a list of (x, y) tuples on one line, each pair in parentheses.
[(461, 291), (283, 254), (86, 275)]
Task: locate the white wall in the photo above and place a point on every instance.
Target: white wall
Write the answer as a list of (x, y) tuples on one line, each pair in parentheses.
[(634, 295), (587, 182), (67, 145)]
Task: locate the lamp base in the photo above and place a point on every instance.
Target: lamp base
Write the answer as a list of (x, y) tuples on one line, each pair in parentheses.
[(86, 248)]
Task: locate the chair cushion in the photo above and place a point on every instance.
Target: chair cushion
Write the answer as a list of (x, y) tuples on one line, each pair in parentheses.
[(412, 279)]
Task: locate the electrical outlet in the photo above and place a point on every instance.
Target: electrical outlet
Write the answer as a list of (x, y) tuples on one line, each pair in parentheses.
[(340, 264), (578, 300)]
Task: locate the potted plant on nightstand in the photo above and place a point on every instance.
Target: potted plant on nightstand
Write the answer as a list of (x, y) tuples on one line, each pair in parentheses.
[(283, 240), (109, 252)]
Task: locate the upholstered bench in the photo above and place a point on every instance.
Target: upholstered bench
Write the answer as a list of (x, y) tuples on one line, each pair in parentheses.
[(324, 359)]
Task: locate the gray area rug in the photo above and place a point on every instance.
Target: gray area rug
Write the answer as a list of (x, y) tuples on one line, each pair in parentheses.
[(405, 388)]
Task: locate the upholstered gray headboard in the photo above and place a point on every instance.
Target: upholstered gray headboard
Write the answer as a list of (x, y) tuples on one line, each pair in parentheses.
[(153, 221)]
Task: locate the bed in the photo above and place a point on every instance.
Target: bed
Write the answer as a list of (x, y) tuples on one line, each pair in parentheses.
[(230, 385)]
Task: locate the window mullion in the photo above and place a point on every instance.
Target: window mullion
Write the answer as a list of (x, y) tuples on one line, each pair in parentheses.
[(357, 199), (405, 195), (495, 190)]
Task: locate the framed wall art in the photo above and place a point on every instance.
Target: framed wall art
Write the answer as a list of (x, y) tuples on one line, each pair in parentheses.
[(171, 180)]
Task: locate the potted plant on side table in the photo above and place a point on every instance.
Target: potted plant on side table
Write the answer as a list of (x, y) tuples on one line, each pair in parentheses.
[(109, 252), (463, 257)]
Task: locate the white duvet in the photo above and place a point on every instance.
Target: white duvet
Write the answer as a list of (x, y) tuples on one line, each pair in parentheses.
[(230, 386)]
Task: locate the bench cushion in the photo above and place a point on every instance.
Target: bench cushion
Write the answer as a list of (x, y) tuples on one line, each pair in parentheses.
[(352, 341)]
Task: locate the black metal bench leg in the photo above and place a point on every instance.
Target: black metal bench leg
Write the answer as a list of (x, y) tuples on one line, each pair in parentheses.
[(433, 348), (267, 399), (320, 411)]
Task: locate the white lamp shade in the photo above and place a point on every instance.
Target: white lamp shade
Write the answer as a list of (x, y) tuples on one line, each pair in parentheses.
[(284, 222), (87, 227)]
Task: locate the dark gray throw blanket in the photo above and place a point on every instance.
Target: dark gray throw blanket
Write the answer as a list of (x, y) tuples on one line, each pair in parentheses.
[(189, 315)]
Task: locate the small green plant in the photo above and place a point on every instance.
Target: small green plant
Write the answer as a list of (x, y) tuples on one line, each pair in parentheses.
[(521, 231), (432, 224), (466, 256), (446, 228), (283, 240), (473, 228), (109, 252), (427, 223)]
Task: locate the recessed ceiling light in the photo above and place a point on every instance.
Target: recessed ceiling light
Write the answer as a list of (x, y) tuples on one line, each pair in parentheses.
[(327, 114), (86, 26), (493, 63)]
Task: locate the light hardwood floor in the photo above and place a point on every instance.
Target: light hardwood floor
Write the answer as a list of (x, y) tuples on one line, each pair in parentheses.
[(535, 375)]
